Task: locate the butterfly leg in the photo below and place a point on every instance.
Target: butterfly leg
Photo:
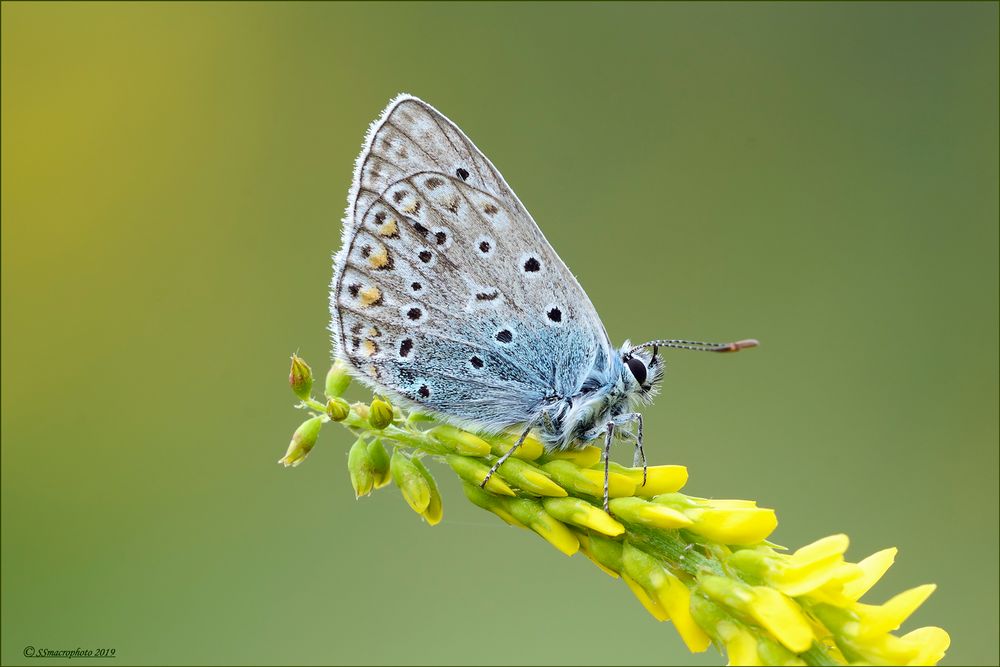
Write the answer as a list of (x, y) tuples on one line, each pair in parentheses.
[(506, 456), (640, 453), (609, 436)]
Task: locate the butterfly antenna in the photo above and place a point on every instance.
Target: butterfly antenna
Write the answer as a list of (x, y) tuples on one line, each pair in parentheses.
[(698, 346)]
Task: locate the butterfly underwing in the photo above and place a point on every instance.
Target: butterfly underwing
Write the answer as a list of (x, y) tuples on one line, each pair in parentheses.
[(446, 295)]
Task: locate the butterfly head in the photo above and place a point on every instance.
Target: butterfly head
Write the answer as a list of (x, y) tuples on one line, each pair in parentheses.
[(642, 369)]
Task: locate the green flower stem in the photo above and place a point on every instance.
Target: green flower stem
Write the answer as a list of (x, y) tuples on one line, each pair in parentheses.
[(704, 564)]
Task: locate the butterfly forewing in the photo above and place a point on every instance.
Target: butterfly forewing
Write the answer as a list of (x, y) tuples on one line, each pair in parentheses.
[(445, 291)]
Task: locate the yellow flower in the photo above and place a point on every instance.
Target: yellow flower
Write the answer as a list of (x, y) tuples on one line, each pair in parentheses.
[(774, 611), (637, 510), (533, 515), (702, 563), (670, 594), (735, 522), (581, 513), (462, 442), (528, 478), (659, 479), (474, 472)]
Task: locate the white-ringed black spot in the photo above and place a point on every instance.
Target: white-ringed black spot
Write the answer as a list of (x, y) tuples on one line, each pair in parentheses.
[(462, 173), (532, 265), (554, 314), (424, 391), (416, 287), (476, 362), (353, 290), (414, 313), (425, 256), (505, 336), (440, 237), (405, 346), (486, 246), (420, 229)]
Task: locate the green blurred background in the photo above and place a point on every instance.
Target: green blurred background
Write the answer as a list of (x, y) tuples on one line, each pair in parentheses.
[(821, 177)]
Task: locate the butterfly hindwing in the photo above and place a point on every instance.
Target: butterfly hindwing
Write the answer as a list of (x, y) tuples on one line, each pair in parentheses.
[(445, 291)]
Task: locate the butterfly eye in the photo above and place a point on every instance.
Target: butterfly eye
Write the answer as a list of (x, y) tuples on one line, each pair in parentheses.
[(638, 369)]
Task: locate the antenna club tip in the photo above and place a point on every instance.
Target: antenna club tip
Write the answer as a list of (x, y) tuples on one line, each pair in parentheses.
[(740, 345)]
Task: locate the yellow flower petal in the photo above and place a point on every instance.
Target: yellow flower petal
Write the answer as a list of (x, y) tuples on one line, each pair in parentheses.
[(585, 457), (651, 604), (932, 642), (675, 597), (529, 450), (659, 479), (637, 510), (879, 619), (741, 646), (532, 514), (581, 513), (460, 441), (872, 569), (619, 485), (740, 525), (821, 550), (782, 618)]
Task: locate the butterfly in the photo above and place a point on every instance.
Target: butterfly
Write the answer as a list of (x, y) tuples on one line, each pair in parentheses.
[(446, 295)]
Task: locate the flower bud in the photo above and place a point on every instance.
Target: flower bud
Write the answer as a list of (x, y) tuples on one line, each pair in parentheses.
[(460, 441), (337, 409), (380, 414), (337, 380), (737, 525), (533, 515), (474, 472), (302, 442), (773, 611), (406, 475), (529, 450), (586, 481), (583, 457), (435, 510), (637, 510), (359, 464), (604, 552), (669, 591), (493, 503), (380, 462), (659, 479), (581, 513), (529, 478), (300, 377)]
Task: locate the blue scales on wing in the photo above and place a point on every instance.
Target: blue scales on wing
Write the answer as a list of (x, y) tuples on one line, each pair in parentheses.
[(445, 291)]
